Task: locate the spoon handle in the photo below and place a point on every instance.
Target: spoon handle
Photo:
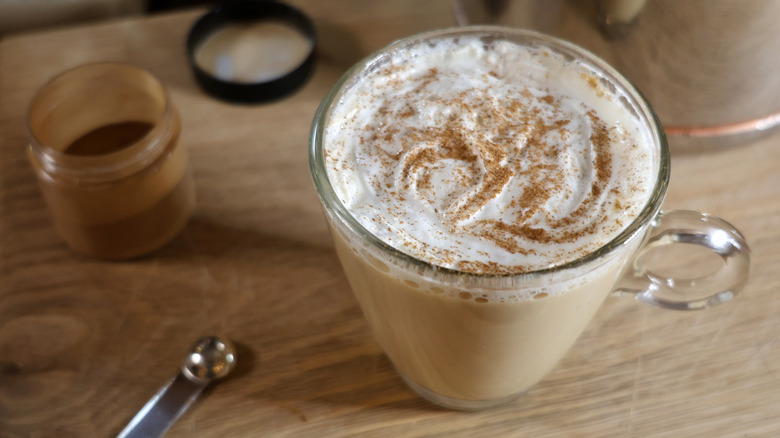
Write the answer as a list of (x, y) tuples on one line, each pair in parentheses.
[(162, 410)]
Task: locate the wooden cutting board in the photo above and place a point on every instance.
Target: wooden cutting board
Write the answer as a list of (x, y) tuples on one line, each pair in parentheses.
[(84, 343)]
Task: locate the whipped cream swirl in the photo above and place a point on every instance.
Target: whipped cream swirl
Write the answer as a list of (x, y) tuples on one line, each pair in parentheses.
[(487, 157)]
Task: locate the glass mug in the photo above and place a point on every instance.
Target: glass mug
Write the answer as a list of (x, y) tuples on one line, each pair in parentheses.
[(463, 352)]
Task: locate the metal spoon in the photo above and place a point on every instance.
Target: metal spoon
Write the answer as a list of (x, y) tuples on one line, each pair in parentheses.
[(209, 359)]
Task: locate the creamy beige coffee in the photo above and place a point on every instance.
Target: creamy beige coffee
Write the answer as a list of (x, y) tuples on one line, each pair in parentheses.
[(484, 159)]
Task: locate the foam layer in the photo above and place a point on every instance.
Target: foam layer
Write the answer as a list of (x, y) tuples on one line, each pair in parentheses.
[(487, 158)]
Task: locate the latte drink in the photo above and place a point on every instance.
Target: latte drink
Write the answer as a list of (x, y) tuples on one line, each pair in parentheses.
[(485, 190)]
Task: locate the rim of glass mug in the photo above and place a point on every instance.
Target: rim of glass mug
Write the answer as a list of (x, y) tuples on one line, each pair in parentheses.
[(635, 99)]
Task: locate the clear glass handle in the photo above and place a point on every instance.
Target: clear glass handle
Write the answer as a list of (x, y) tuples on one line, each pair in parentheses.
[(689, 227)]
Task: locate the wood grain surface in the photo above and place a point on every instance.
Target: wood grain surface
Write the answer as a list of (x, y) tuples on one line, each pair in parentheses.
[(84, 343)]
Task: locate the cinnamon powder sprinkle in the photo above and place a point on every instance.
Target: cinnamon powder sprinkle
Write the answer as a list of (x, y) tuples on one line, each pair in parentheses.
[(487, 157), (479, 147)]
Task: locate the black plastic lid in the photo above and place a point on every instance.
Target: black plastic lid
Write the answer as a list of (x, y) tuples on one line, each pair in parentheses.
[(244, 12)]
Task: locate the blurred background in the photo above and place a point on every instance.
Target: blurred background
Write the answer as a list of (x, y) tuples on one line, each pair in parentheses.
[(26, 15), (709, 68)]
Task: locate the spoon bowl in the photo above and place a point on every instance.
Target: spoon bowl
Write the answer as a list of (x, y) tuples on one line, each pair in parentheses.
[(209, 359)]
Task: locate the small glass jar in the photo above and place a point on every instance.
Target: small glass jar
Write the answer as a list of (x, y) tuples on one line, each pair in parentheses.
[(104, 145)]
